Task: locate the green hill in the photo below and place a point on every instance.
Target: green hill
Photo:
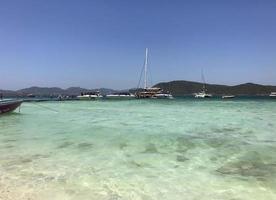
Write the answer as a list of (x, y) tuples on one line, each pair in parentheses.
[(180, 88)]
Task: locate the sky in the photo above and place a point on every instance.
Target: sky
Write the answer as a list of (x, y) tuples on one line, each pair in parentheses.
[(101, 43)]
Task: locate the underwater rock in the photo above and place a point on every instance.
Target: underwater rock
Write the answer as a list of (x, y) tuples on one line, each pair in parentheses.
[(62, 179), (49, 178), (38, 156), (151, 148), (139, 164), (232, 168), (114, 196), (8, 146), (18, 161), (70, 191), (270, 124), (25, 160), (181, 158), (249, 165), (85, 145), (65, 144), (122, 145), (21, 160), (184, 144), (136, 164), (9, 140), (213, 159), (257, 170), (225, 129), (217, 142), (269, 141)]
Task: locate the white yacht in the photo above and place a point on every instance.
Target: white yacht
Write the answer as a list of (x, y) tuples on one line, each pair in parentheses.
[(150, 92), (163, 96), (272, 94), (89, 96), (120, 95), (203, 93), (228, 96)]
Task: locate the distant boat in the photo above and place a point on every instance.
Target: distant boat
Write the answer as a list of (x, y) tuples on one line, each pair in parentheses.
[(228, 96), (153, 93), (30, 95), (203, 93), (120, 95), (163, 95), (89, 96), (9, 105), (150, 92), (272, 94)]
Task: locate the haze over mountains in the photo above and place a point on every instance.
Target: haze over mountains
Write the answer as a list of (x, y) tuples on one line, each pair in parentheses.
[(180, 88), (52, 91), (177, 88)]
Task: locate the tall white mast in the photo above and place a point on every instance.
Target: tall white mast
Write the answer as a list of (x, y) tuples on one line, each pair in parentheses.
[(203, 80), (146, 68)]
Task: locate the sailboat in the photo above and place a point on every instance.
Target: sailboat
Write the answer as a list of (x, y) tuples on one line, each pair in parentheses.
[(203, 93), (151, 92)]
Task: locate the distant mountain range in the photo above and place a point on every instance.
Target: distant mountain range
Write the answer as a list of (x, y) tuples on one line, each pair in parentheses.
[(52, 91), (181, 88), (177, 88)]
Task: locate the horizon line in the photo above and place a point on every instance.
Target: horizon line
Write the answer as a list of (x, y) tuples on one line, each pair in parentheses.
[(65, 88)]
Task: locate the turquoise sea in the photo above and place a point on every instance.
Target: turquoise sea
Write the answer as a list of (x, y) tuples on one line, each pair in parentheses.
[(140, 149)]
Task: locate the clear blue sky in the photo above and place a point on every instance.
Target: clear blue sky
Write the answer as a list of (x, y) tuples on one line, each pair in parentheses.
[(101, 43)]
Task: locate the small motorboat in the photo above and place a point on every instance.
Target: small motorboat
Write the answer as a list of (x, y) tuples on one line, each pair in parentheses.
[(9, 105), (203, 94), (120, 96), (272, 94), (228, 96), (89, 96), (163, 95)]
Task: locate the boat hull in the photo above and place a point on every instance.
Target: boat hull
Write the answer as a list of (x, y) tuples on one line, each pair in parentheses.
[(90, 97), (114, 97), (273, 94), (153, 93), (228, 97), (9, 106), (154, 96), (203, 96), (163, 96)]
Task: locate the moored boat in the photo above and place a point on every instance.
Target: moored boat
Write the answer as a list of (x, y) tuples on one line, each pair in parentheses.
[(9, 105), (151, 92), (203, 93), (163, 95), (228, 96), (272, 94), (120, 96), (89, 96)]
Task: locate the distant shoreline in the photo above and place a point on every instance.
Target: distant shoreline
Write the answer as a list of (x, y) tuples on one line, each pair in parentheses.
[(177, 88)]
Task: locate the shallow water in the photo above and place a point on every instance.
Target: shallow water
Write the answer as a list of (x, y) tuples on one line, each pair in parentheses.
[(139, 149)]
